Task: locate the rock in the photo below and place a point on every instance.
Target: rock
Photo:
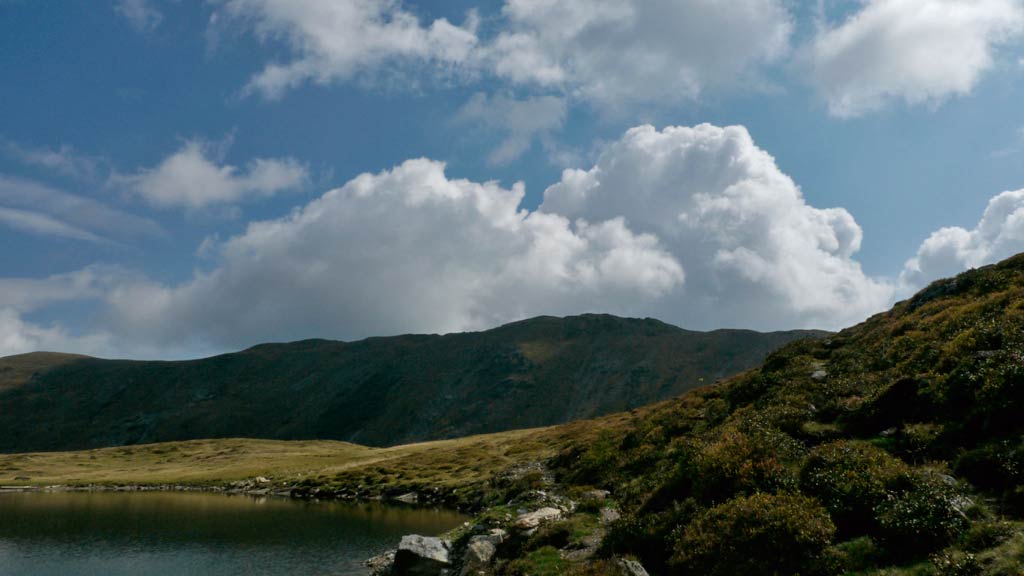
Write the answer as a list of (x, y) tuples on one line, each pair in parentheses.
[(819, 375), (609, 515), (408, 498), (382, 564), (598, 495), (479, 553), (422, 556), (632, 567), (531, 520), (261, 480)]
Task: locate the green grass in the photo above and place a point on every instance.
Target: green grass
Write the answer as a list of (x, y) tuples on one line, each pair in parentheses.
[(444, 463)]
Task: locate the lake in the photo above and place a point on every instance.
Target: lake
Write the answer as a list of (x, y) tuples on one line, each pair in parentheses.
[(198, 534)]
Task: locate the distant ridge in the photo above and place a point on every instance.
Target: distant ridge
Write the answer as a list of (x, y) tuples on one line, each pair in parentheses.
[(378, 391)]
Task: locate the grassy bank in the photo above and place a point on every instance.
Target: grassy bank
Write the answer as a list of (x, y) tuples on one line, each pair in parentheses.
[(326, 466)]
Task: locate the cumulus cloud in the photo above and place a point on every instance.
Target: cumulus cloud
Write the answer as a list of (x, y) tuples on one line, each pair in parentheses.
[(917, 51), (948, 251), (613, 51), (520, 121), (141, 14), (40, 209), (193, 178), (405, 250), (336, 39), (756, 253)]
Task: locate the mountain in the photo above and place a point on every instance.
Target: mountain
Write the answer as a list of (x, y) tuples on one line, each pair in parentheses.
[(376, 392)]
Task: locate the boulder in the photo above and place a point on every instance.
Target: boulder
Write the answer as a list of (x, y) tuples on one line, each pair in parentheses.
[(632, 567), (531, 520), (480, 552), (422, 556)]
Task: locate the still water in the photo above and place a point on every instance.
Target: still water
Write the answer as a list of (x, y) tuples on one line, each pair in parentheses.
[(194, 534)]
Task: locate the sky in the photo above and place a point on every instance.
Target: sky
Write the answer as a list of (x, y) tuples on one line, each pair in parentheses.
[(183, 178)]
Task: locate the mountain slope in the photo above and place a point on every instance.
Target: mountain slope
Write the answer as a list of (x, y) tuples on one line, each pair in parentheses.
[(895, 447), (379, 391)]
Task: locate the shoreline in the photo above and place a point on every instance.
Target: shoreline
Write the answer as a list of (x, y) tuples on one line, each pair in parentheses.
[(410, 499)]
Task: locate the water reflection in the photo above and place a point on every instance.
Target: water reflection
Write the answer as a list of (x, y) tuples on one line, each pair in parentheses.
[(197, 534)]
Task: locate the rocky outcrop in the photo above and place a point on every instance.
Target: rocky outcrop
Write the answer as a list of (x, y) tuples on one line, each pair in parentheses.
[(422, 556), (531, 520)]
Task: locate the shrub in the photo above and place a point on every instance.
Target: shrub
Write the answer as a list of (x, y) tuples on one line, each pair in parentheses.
[(922, 514), (744, 462), (760, 535), (850, 478), (649, 535)]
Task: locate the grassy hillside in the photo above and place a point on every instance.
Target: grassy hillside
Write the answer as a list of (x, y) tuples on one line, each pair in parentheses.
[(19, 369), (377, 392), (895, 447)]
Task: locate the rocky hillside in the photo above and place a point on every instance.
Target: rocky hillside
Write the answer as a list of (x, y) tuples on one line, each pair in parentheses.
[(377, 392), (893, 448)]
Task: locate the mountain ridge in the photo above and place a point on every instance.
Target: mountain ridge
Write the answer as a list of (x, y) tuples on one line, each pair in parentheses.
[(378, 391)]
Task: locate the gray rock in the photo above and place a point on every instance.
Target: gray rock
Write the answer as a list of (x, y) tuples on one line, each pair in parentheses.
[(531, 520), (632, 567), (409, 498), (479, 553), (422, 556)]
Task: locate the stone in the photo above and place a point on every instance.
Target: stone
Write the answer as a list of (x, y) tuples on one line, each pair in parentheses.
[(632, 567), (531, 520), (408, 498), (480, 552), (422, 556), (609, 515), (382, 564)]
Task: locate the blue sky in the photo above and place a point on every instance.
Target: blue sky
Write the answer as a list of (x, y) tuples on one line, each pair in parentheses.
[(104, 252)]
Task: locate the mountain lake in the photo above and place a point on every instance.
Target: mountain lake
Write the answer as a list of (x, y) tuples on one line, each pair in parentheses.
[(199, 534)]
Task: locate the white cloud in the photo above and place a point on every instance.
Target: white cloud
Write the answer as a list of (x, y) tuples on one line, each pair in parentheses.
[(141, 14), (614, 51), (43, 225), (191, 178), (64, 160), (18, 336), (337, 39), (29, 294), (756, 254), (411, 250), (948, 251), (407, 250), (917, 51), (520, 121), (605, 51), (40, 209)]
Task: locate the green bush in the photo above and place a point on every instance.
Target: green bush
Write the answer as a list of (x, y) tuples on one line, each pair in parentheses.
[(850, 478), (744, 462), (923, 513), (759, 535)]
